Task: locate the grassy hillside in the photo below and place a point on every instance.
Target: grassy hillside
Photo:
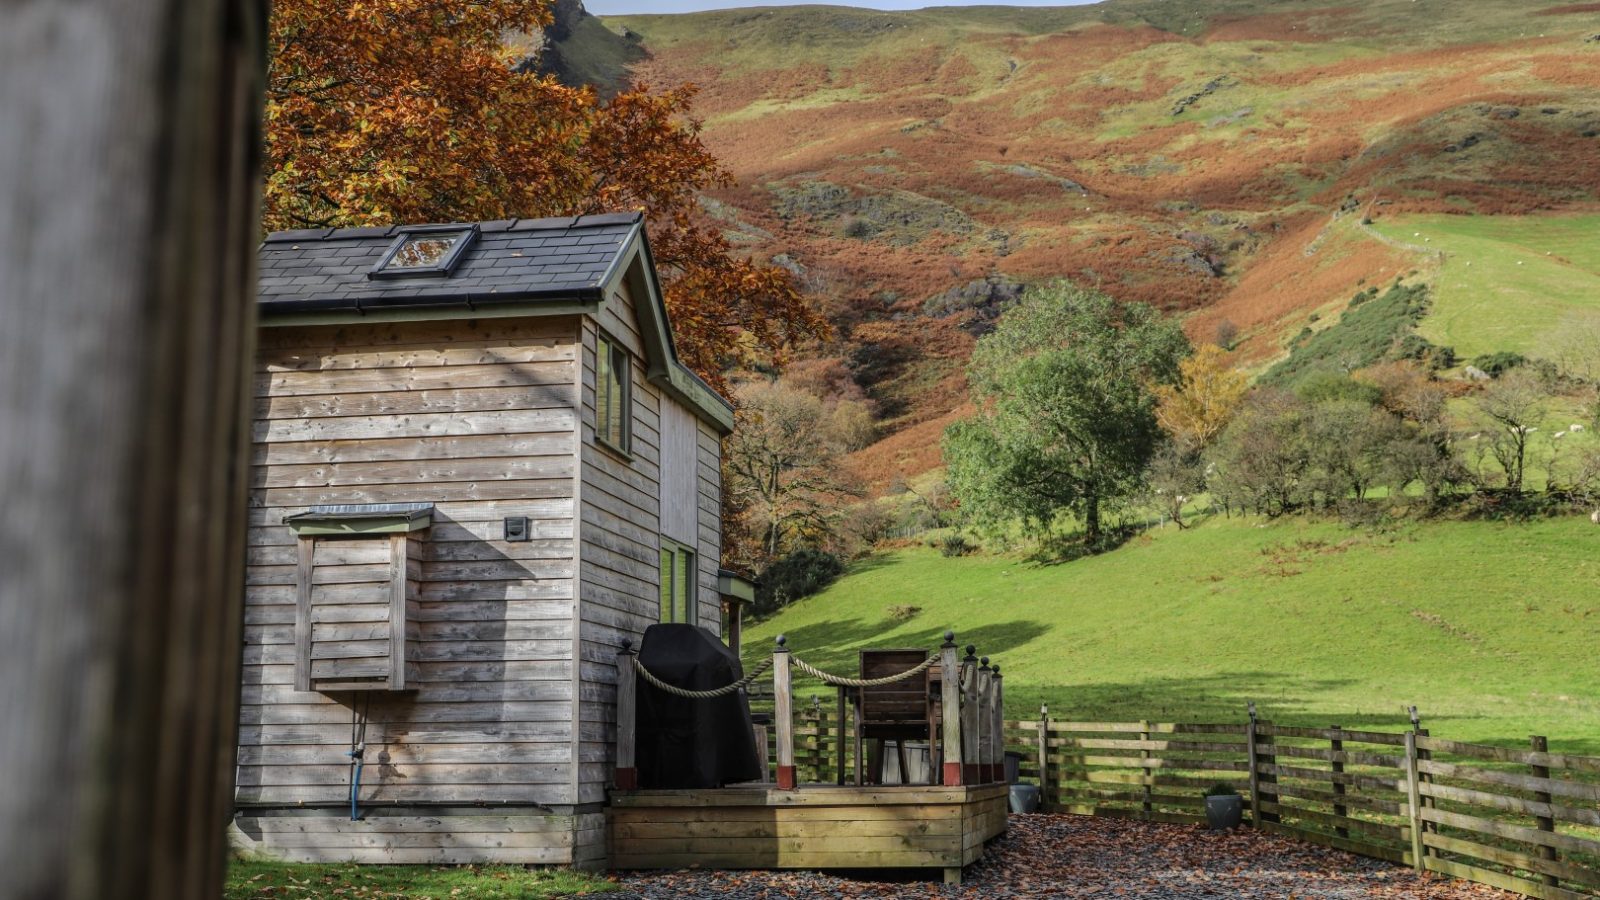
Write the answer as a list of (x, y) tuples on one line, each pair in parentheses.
[(1504, 282), (1203, 157), (1488, 628)]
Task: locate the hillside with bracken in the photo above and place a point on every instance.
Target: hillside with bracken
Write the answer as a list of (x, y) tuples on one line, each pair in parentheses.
[(1246, 163)]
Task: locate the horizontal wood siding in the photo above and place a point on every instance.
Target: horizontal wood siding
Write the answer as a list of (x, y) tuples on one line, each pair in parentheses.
[(478, 418), (619, 547), (485, 837), (624, 507)]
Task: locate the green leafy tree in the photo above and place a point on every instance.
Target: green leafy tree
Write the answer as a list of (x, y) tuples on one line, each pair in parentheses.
[(1066, 422)]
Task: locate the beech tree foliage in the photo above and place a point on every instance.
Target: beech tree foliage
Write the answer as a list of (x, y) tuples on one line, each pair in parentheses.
[(385, 111), (1065, 390)]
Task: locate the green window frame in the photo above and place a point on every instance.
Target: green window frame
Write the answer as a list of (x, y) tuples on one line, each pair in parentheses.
[(613, 395), (678, 577)]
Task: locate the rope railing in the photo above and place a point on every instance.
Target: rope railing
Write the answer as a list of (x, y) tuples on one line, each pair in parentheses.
[(712, 694), (968, 741), (843, 681)]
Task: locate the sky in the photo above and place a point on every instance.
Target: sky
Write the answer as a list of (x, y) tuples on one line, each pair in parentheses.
[(618, 7)]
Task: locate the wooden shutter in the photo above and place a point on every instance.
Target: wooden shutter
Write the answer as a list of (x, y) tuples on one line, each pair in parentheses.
[(355, 618)]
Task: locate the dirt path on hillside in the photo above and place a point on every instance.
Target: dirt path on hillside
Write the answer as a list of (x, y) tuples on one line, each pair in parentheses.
[(1080, 856)]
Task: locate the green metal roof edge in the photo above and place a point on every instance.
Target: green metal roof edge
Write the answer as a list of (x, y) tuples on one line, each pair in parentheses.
[(732, 584)]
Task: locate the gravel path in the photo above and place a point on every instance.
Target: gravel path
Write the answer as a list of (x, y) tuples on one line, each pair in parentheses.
[(1082, 856)]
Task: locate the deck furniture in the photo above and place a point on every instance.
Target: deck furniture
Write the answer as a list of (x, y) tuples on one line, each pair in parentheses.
[(898, 712)]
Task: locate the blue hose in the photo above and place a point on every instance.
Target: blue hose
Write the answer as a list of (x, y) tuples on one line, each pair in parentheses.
[(355, 783), (357, 752)]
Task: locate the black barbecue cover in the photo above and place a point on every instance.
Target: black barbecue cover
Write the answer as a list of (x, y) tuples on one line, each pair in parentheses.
[(684, 743)]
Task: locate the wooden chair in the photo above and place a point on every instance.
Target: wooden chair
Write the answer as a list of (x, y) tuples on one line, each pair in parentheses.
[(899, 712)]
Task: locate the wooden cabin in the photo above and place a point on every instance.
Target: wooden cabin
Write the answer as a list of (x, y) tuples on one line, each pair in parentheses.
[(477, 466)]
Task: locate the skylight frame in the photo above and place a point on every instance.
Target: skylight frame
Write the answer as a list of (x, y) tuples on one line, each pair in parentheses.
[(466, 235)]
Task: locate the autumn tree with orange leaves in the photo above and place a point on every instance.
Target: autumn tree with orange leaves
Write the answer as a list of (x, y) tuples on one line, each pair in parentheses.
[(384, 111)]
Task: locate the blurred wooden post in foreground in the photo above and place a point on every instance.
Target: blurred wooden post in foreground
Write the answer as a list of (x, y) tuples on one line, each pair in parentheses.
[(129, 182)]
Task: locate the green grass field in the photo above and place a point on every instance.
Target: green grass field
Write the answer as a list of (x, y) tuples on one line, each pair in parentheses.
[(256, 879), (1506, 282), (1489, 628)]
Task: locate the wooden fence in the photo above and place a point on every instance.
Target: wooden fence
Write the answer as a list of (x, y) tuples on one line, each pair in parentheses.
[(1523, 820)]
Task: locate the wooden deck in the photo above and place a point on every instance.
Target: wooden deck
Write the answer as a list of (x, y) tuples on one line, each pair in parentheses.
[(814, 827)]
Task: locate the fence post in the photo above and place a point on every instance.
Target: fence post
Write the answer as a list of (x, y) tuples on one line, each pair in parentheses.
[(627, 773), (814, 747), (1539, 744), (1146, 774), (1414, 803), (783, 714), (969, 716), (1044, 756), (1267, 781), (824, 757), (997, 702), (1339, 809), (839, 748), (1423, 755), (950, 711), (985, 722), (1255, 775)]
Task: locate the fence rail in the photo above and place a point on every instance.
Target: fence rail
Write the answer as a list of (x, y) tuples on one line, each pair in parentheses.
[(1523, 820)]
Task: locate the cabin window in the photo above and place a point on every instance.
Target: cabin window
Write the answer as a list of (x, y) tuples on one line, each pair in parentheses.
[(613, 394), (677, 583), (424, 251)]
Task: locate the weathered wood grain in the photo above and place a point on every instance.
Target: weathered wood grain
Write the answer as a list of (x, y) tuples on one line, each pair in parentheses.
[(128, 164)]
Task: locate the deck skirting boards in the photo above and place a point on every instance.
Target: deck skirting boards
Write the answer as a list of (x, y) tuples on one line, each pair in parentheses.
[(815, 827)]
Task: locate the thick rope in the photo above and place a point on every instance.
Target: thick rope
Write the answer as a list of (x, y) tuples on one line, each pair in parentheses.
[(723, 691), (841, 681)]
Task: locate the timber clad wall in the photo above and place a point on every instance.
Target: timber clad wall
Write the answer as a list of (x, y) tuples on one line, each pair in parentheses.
[(509, 648), (477, 418), (622, 502), (490, 665)]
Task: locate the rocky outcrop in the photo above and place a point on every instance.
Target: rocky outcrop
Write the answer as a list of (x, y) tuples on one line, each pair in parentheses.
[(1210, 87), (579, 49)]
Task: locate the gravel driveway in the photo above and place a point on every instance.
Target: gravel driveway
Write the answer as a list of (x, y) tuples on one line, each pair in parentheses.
[(1083, 856)]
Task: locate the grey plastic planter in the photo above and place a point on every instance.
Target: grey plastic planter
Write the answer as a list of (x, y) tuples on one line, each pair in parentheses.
[(1024, 798), (1224, 812)]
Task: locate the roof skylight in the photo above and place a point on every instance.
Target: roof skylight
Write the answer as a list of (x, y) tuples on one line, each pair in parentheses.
[(424, 251)]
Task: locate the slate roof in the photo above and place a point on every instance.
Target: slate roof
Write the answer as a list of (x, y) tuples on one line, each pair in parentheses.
[(511, 261)]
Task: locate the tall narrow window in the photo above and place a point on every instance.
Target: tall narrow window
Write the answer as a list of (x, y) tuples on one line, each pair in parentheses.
[(613, 394), (677, 583)]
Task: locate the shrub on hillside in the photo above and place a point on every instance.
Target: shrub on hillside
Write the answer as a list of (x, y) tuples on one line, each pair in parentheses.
[(800, 574), (1226, 335), (955, 545), (1325, 387), (1496, 364), (1375, 327), (863, 526)]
